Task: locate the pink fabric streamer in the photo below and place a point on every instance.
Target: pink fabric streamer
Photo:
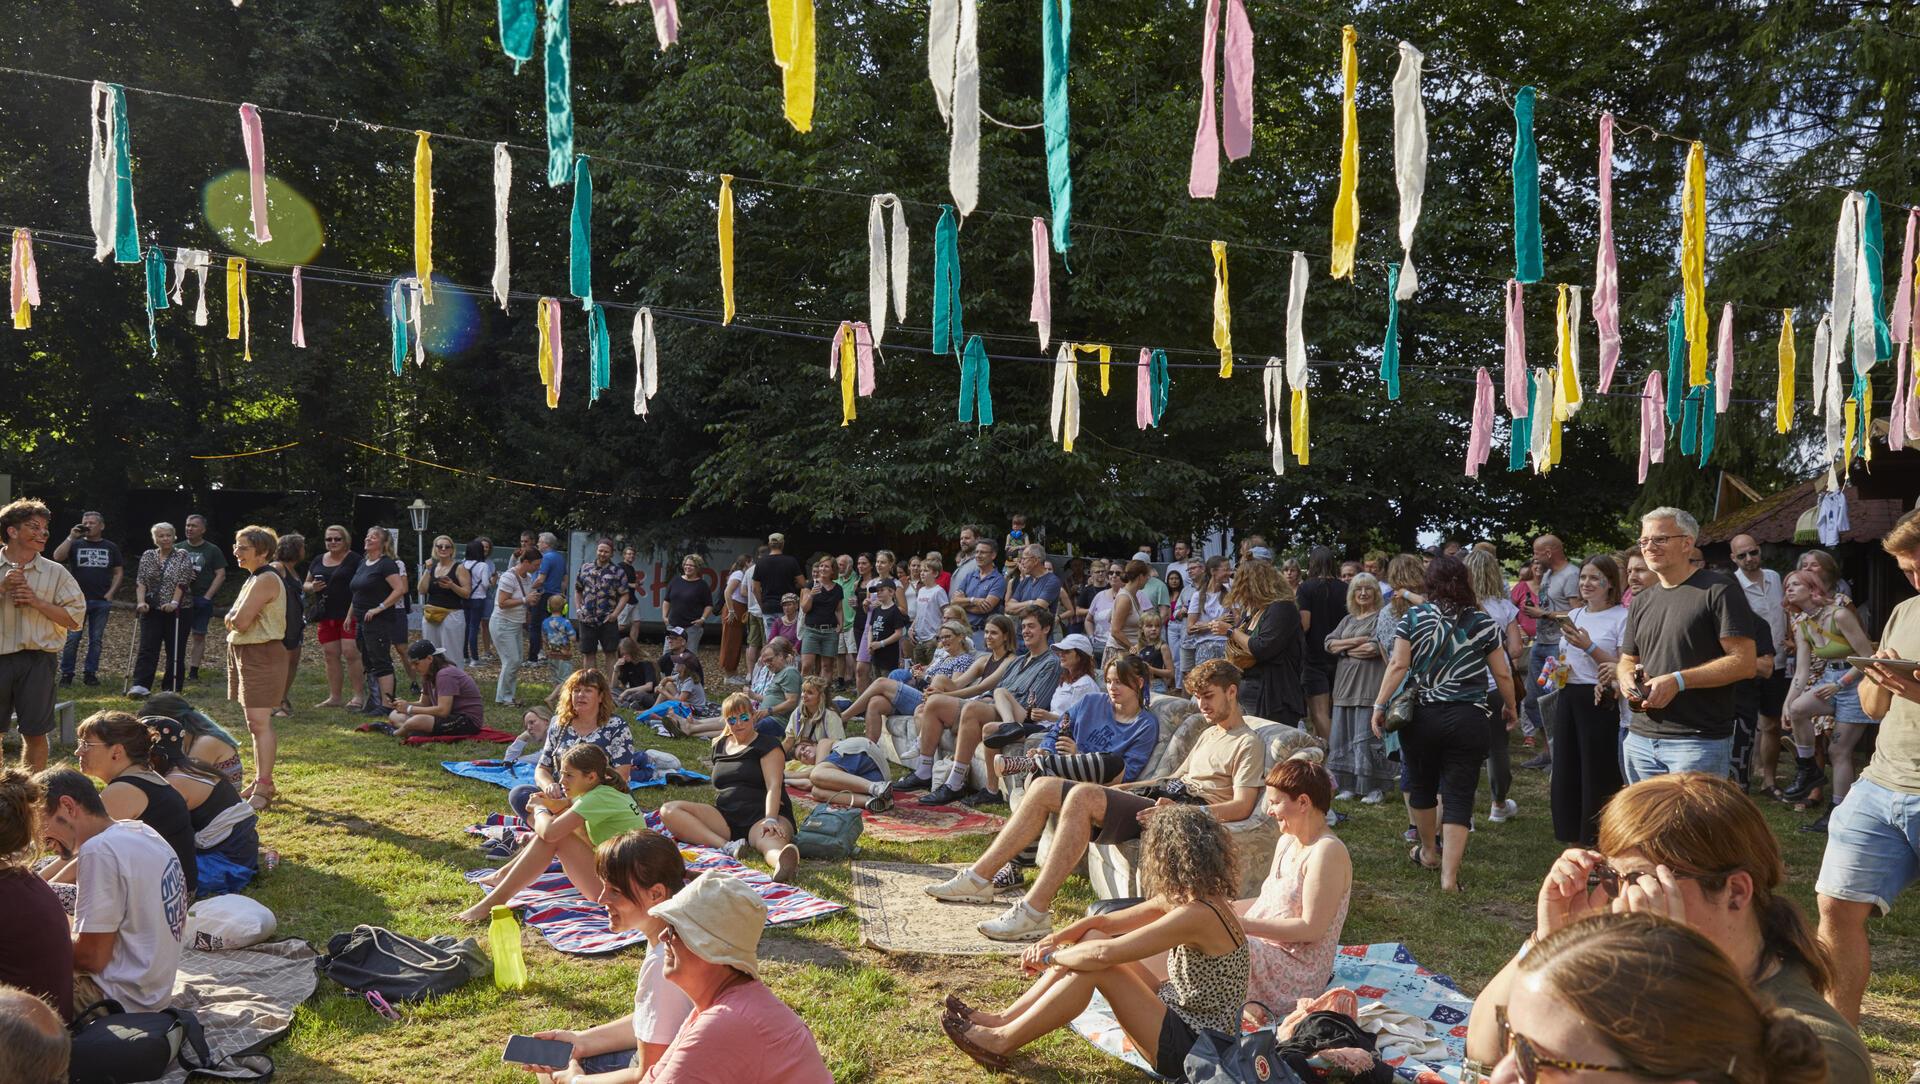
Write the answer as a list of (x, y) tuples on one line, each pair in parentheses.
[(863, 349), (1203, 177), (1606, 278), (1653, 428), (256, 143), (1903, 296), (1723, 375), (25, 278), (299, 325), (1041, 312), (666, 22), (1143, 390), (1516, 370), (1480, 443), (1897, 416), (553, 335)]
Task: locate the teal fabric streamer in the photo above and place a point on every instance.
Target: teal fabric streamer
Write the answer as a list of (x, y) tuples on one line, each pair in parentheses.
[(1690, 421), (1706, 423), (580, 235), (397, 317), (1676, 361), (156, 268), (1529, 258), (601, 353), (946, 283), (559, 94), (1056, 27), (1876, 252), (1390, 349), (126, 236), (1160, 382), (976, 383), (516, 31), (1520, 431)]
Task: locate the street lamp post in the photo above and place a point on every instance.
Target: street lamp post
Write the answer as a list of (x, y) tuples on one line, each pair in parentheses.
[(417, 516)]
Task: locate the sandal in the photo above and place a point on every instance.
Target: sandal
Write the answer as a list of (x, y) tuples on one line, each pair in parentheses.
[(957, 1034), (1419, 858), (329, 702), (282, 712)]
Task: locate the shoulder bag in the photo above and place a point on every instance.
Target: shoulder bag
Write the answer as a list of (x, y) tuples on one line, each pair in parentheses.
[(1400, 705), (1240, 656)]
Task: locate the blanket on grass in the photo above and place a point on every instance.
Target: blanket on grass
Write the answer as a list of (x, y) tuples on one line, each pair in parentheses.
[(502, 774), (486, 733), (245, 998), (1385, 975), (573, 924), (908, 820)]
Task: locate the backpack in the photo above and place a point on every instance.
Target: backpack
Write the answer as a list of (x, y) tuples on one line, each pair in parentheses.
[(829, 833), (397, 967), (111, 1045)]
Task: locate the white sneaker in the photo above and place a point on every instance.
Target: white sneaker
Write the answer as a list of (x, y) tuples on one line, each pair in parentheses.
[(963, 887), (1502, 812), (732, 847), (1017, 923), (1374, 797), (137, 691), (1345, 796)]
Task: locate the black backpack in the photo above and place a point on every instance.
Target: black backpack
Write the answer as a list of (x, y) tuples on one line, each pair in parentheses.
[(397, 967), (113, 1046)]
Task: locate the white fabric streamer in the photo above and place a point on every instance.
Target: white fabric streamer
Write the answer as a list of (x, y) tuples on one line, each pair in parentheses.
[(1041, 310), (299, 316), (1409, 158), (197, 261), (646, 359), (1723, 368), (880, 268), (1063, 415), (963, 161), (1846, 253), (943, 38), (1545, 379), (502, 186), (1273, 401), (1826, 380), (414, 295), (100, 207), (1296, 333)]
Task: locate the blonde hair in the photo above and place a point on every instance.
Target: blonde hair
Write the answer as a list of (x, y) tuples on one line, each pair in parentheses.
[(735, 703), (1364, 580), (1256, 585), (1405, 573), (260, 540)]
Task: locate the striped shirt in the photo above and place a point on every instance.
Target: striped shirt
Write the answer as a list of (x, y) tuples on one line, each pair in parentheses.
[(23, 628), (1449, 653)]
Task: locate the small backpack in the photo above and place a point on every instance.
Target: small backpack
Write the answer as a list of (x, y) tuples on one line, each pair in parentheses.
[(829, 833), (113, 1046), (397, 967)]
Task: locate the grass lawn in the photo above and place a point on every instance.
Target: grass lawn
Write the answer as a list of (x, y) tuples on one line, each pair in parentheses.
[(370, 831)]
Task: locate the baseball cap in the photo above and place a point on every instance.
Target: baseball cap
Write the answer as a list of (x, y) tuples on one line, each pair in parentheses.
[(1074, 641), (675, 630), (891, 585), (776, 539)]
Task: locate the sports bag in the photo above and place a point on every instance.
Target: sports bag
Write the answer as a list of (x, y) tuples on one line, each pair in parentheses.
[(1251, 1057), (397, 967), (113, 1046), (829, 834)]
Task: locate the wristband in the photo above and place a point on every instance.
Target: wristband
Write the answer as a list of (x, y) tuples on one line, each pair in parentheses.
[(1379, 707), (1679, 680)]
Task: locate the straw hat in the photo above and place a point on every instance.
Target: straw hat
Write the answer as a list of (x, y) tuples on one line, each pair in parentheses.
[(718, 918)]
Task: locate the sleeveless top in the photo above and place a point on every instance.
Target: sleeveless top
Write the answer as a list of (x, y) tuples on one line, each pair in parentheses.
[(1208, 991), (222, 797), (270, 627), (1285, 971), (296, 616), (167, 814), (443, 596), (1132, 627)]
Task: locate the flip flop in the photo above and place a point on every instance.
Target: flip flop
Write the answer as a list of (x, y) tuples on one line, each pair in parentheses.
[(957, 1034)]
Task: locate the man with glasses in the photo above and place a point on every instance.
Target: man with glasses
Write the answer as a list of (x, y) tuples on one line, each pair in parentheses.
[(979, 588), (96, 564), (1559, 586), (1767, 598), (1689, 639), (40, 602)]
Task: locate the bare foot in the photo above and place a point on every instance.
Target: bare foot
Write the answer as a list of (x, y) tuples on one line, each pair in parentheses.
[(474, 915), (489, 880), (329, 702), (786, 864)]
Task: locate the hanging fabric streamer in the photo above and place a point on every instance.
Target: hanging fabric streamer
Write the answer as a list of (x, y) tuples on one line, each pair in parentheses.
[(1826, 395), (1540, 420), (397, 325), (1162, 381), (791, 22), (1514, 375), (1409, 160), (543, 319), (1346, 202), (1103, 353), (1852, 413), (110, 177), (1520, 428), (1708, 423), (1554, 427), (1529, 257), (126, 227), (559, 61), (1902, 323), (1653, 433), (1273, 405), (516, 31), (1897, 407), (726, 247), (1480, 438), (1056, 31), (580, 235), (943, 52), (1297, 353), (1222, 314), (599, 354), (502, 188), (666, 22), (1606, 275), (1143, 390), (1041, 311), (1783, 389), (953, 63), (1676, 361), (841, 364), (1390, 346), (155, 266), (1203, 174), (976, 383), (1689, 421), (299, 306), (880, 267), (1723, 366), (1693, 262), (946, 283), (1566, 385), (552, 353), (24, 281), (419, 323), (646, 361), (1873, 259), (423, 216), (196, 261), (256, 146), (239, 315), (1846, 272)]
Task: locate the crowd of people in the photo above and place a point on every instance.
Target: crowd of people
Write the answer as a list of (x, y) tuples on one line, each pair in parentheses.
[(1657, 692)]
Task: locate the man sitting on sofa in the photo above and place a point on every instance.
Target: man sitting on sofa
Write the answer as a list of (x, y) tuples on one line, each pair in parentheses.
[(1222, 771)]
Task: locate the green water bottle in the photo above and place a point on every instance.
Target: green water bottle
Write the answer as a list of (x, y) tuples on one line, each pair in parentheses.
[(503, 937)]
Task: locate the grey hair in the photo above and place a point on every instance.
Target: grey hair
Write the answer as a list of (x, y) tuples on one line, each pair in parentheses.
[(549, 538), (155, 529), (1680, 517), (1035, 550), (1360, 580), (34, 1047)]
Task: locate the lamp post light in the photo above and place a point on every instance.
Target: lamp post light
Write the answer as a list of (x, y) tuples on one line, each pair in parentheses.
[(417, 516)]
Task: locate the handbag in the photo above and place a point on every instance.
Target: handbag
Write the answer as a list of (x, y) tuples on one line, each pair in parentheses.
[(397, 967), (829, 834), (113, 1046), (1251, 1057), (436, 614), (1240, 657), (1400, 705)]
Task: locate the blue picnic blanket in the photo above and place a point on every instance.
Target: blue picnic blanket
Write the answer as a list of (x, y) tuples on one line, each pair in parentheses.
[(504, 774)]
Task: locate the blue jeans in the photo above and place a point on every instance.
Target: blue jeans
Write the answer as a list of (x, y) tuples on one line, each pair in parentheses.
[(95, 627), (1648, 757), (608, 1063), (476, 609), (1537, 657)]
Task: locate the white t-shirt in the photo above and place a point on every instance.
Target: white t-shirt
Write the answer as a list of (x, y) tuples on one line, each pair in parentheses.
[(130, 883), (1100, 616), (737, 587), (1068, 693), (1605, 627), (659, 1007), (482, 573), (928, 603), (510, 585), (1503, 612), (1767, 598)]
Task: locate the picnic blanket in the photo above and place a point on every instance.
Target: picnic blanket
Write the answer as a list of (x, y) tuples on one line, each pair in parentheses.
[(1383, 975), (574, 924), (897, 916), (245, 998), (502, 774), (908, 820), (486, 733)]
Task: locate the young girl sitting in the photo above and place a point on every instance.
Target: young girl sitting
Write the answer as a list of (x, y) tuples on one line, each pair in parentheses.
[(597, 808), (1152, 650), (811, 731), (691, 723), (635, 680)]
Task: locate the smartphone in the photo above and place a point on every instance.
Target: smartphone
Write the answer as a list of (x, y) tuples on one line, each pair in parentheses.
[(539, 1053), (1909, 665)]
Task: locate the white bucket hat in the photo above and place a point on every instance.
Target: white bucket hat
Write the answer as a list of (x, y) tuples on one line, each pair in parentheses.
[(719, 919)]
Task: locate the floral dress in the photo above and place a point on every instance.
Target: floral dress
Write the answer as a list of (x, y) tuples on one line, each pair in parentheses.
[(1284, 971)]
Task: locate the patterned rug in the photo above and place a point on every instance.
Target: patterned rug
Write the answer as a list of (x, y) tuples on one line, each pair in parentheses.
[(897, 916), (245, 999), (908, 820)]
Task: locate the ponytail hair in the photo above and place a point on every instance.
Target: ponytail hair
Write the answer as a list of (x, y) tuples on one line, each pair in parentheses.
[(589, 759), (121, 729), (168, 752)]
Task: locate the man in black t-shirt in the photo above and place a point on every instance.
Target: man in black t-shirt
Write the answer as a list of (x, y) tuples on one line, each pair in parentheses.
[(1323, 605), (96, 564), (1691, 637), (773, 576)]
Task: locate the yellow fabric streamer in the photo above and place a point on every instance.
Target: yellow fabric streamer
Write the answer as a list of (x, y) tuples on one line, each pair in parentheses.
[(848, 363), (1693, 262), (1783, 395), (1346, 205), (1554, 426), (239, 320), (1300, 422), (792, 25), (1852, 413), (423, 216), (1105, 354), (1222, 315), (726, 247), (544, 322), (1866, 411)]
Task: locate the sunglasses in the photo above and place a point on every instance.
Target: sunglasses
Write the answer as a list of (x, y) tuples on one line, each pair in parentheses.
[(1744, 554), (741, 718), (1528, 1059), (1609, 880)]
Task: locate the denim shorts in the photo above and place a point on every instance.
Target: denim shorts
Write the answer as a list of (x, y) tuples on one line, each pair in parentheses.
[(1847, 709), (907, 699), (1648, 757), (1873, 846)]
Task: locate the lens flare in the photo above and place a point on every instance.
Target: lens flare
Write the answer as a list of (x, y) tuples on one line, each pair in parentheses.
[(292, 219), (452, 323)]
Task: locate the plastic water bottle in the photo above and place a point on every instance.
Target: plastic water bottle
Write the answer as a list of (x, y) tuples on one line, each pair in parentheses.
[(503, 937)]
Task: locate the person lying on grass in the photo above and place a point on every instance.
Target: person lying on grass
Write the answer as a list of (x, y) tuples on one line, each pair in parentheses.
[(811, 731), (597, 807), (750, 806)]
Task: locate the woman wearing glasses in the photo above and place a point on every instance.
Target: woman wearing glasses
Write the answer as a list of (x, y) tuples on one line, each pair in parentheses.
[(330, 579), (1692, 848), (445, 585), (750, 803)]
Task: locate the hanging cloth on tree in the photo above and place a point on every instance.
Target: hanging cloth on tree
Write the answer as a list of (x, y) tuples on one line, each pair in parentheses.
[(947, 335), (1346, 202), (1163, 385), (1707, 424), (116, 228), (1723, 368), (1390, 346), (255, 142), (1041, 310), (1676, 361), (1529, 257), (1297, 353), (1480, 436), (1056, 31), (1783, 388), (666, 22), (1409, 163), (23, 282), (423, 216), (1540, 420), (552, 352), (1897, 407), (880, 268), (851, 359), (559, 61), (599, 354), (953, 64), (1827, 398), (1273, 405), (155, 267), (397, 324), (646, 361), (239, 311), (1690, 421), (502, 188), (1203, 175), (1150, 388), (1846, 255), (1520, 428), (1873, 259), (1222, 315), (726, 248), (580, 235), (1566, 386), (791, 22), (299, 330), (1105, 355), (1693, 262), (197, 261), (1514, 375), (516, 31), (1902, 323), (1653, 433), (1606, 275), (976, 383)]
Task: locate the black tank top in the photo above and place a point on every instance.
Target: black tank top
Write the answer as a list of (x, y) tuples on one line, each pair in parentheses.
[(217, 802), (167, 814), (444, 596)]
